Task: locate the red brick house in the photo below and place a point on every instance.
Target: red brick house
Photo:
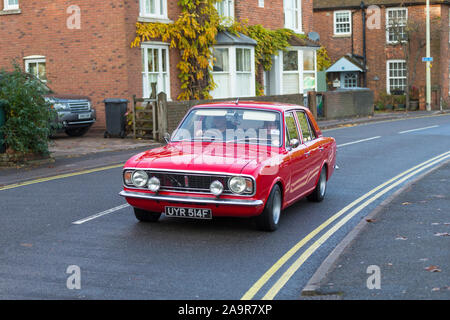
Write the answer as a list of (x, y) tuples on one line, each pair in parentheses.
[(86, 48), (342, 31)]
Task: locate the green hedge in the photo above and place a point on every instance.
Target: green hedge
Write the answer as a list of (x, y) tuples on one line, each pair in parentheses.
[(28, 116)]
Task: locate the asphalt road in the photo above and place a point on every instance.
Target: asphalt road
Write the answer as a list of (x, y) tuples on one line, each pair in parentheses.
[(120, 258)]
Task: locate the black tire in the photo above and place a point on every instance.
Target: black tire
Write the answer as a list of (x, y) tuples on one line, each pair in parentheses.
[(77, 132), (270, 217), (146, 216), (321, 188)]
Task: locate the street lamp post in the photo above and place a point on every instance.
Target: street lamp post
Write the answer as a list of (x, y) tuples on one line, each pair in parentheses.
[(428, 71)]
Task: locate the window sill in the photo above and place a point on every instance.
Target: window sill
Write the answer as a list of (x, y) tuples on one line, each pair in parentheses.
[(154, 20), (342, 35), (296, 31), (396, 43), (10, 11)]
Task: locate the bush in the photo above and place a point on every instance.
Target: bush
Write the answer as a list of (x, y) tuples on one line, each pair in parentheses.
[(399, 99), (28, 115), (384, 100), (388, 101), (414, 94)]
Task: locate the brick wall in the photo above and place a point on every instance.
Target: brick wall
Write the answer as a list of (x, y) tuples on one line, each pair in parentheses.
[(445, 54), (348, 103), (308, 16), (90, 61), (272, 15), (378, 51)]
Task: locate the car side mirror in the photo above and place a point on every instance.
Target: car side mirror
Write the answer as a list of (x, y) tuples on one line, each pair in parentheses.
[(294, 143), (167, 137)]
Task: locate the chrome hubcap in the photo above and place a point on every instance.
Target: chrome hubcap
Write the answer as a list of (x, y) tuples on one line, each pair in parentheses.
[(276, 209), (323, 184)]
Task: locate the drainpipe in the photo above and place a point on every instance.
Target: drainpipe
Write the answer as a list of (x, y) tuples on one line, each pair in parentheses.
[(363, 14), (353, 38)]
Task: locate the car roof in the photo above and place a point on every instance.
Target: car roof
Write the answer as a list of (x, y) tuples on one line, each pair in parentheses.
[(277, 106)]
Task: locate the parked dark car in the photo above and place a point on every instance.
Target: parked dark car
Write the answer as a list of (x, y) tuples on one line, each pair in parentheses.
[(75, 112)]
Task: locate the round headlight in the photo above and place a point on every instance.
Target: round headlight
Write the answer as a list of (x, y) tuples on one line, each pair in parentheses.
[(154, 184), (139, 179), (216, 188), (237, 185)]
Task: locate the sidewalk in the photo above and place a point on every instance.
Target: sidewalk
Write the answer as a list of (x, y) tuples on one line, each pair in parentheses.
[(63, 146), (408, 238)]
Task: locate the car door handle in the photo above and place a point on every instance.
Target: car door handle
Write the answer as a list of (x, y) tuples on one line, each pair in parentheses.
[(321, 149), (307, 154)]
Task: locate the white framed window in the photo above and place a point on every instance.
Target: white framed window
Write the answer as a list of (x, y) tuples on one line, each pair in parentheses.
[(396, 75), (153, 8), (244, 72), (350, 80), (396, 21), (225, 8), (10, 4), (293, 15), (299, 71), (155, 69), (221, 72), (343, 23), (234, 71), (36, 65)]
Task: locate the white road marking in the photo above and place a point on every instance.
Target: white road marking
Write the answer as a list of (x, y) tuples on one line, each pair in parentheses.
[(419, 129), (359, 141), (98, 215)]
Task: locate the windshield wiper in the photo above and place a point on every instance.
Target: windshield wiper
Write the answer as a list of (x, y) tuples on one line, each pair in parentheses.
[(196, 139), (248, 139)]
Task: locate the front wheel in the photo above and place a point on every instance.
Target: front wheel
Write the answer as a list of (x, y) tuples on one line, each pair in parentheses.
[(319, 192), (146, 216), (270, 218)]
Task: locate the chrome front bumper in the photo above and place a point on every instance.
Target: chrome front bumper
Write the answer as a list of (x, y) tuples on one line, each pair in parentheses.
[(200, 201)]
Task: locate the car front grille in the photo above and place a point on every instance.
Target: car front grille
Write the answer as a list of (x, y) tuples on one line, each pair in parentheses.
[(79, 106), (183, 182)]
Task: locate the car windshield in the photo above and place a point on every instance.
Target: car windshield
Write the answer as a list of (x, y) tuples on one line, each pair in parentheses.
[(248, 126)]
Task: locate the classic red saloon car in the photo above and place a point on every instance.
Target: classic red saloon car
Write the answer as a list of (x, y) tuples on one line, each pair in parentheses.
[(243, 159)]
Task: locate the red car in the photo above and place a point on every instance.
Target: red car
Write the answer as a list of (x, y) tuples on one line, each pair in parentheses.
[(242, 159)]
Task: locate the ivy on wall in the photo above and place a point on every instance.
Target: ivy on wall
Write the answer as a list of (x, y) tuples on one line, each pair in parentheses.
[(194, 34), (323, 60)]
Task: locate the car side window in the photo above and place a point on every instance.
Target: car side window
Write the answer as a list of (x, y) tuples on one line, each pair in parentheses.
[(308, 133), (291, 127)]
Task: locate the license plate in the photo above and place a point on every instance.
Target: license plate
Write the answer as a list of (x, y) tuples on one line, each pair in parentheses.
[(191, 213), (83, 116)]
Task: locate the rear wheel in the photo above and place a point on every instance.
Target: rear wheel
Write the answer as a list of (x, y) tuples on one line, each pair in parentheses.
[(146, 216), (319, 192), (270, 218)]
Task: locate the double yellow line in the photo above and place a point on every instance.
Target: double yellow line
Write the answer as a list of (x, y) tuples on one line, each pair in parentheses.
[(61, 176), (346, 215)]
